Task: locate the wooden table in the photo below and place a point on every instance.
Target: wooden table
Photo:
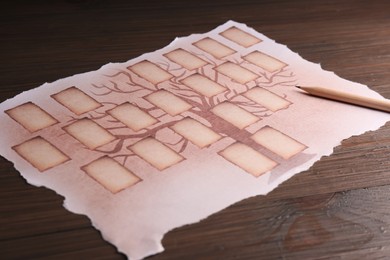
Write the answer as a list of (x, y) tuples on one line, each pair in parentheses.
[(339, 208)]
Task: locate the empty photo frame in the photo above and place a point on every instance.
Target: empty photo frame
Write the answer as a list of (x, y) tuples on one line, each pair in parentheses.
[(150, 71), (248, 159), (110, 174), (76, 100), (40, 153), (31, 117)]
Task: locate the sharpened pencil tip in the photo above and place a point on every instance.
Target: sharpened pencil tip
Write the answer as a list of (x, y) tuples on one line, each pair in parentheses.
[(298, 87)]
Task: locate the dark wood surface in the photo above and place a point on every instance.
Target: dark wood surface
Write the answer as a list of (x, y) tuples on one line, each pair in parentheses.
[(339, 209)]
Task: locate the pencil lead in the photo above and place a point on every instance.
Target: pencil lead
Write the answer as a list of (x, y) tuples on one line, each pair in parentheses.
[(298, 86)]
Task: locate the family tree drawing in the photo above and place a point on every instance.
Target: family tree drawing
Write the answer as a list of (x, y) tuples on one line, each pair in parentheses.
[(195, 95)]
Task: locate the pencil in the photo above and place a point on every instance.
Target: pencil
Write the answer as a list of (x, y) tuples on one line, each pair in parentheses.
[(375, 103)]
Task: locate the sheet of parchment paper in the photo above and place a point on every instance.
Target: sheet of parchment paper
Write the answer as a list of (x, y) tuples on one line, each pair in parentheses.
[(171, 137)]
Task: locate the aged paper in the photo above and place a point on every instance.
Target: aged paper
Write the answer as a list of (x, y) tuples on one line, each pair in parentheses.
[(171, 137)]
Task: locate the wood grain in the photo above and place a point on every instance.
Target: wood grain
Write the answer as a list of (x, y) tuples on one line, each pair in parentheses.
[(337, 209)]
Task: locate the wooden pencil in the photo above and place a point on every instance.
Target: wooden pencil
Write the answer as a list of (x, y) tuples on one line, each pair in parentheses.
[(375, 103)]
